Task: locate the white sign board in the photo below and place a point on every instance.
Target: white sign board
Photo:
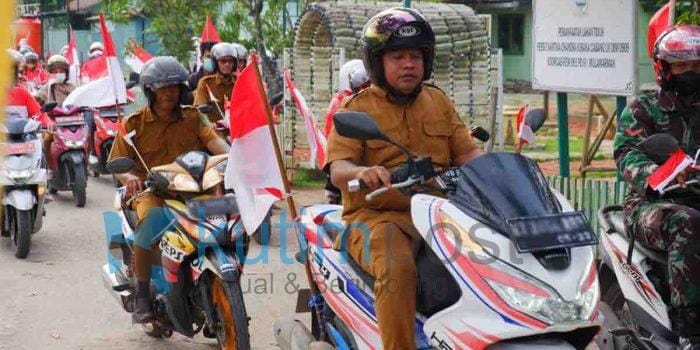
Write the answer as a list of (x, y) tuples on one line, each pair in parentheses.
[(584, 46)]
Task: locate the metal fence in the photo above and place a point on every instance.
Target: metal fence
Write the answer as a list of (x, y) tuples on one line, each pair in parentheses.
[(588, 196)]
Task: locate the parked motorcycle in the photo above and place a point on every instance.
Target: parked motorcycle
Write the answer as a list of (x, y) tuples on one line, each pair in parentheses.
[(69, 151), (634, 278), (23, 180), (106, 129), (201, 252), (505, 262)]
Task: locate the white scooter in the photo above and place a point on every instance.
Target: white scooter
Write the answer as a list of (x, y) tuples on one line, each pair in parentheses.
[(23, 178), (506, 263), (634, 278)]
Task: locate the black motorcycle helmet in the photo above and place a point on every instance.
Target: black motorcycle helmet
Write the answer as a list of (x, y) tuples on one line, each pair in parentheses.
[(163, 71), (393, 29)]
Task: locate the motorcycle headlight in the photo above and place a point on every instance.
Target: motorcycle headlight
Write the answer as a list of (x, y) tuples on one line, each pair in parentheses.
[(527, 294), (20, 177)]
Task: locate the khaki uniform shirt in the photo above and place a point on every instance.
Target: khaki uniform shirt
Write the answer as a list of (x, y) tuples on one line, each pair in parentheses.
[(161, 141), (221, 89), (58, 93), (429, 126)]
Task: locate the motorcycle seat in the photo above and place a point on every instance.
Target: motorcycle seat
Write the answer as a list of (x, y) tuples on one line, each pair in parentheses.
[(613, 220)]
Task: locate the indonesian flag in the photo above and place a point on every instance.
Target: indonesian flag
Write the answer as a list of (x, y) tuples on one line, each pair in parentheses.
[(252, 171), (138, 58), (657, 24), (212, 98), (209, 33), (525, 133), (73, 59), (667, 172), (105, 91), (314, 135)]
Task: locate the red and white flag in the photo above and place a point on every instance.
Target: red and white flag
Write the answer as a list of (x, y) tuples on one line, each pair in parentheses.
[(73, 59), (525, 133), (138, 58), (314, 135), (657, 24), (667, 172), (252, 171), (105, 91)]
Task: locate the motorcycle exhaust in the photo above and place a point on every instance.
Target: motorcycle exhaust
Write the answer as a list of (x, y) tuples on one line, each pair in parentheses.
[(119, 287)]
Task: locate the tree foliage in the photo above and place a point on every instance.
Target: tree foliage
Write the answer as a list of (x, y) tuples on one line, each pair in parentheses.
[(687, 12), (173, 22)]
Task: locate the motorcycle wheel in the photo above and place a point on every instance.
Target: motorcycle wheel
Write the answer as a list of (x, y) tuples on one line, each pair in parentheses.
[(23, 232), (232, 329), (79, 186), (262, 234)]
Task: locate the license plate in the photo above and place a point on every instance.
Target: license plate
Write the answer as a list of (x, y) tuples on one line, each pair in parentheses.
[(18, 148), (77, 119), (539, 233)]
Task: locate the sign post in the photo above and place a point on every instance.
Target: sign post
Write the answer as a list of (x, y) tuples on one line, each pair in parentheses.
[(585, 47)]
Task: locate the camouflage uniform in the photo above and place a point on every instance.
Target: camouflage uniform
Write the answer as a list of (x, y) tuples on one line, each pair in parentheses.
[(671, 223)]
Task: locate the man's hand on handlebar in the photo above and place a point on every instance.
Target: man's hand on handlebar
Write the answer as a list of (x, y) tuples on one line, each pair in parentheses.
[(133, 184), (375, 177)]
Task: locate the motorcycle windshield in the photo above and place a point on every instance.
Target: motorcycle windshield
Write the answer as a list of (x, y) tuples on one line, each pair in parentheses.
[(500, 186)]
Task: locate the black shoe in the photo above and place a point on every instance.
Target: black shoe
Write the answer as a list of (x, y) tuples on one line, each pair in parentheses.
[(692, 343), (143, 313)]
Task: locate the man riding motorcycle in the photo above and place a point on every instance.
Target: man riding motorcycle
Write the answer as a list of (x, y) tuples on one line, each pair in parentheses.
[(58, 87), (163, 130), (207, 67), (33, 71), (20, 101), (220, 84), (670, 223), (399, 47), (242, 56)]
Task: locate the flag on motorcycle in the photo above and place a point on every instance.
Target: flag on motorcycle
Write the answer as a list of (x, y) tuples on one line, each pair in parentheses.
[(73, 59), (137, 58), (657, 24), (107, 90), (525, 133), (209, 33), (314, 135), (667, 172), (250, 170), (212, 98)]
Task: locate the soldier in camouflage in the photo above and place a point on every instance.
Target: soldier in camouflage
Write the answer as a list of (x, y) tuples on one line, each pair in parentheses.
[(670, 223)]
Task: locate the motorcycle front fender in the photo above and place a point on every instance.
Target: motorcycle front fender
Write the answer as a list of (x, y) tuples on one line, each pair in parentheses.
[(73, 157), (223, 264), (20, 199)]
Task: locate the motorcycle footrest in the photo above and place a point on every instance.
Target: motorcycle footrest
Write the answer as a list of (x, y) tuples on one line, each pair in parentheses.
[(122, 287)]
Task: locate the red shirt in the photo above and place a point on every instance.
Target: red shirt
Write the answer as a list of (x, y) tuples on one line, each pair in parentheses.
[(37, 77), (333, 107), (21, 103)]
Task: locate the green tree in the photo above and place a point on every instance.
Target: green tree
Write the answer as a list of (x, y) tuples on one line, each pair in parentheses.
[(687, 12), (174, 22), (263, 22)]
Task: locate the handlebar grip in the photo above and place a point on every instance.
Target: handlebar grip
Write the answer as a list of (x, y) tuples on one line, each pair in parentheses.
[(356, 185)]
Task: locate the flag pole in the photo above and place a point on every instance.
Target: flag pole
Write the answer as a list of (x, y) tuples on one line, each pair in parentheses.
[(283, 172), (671, 13)]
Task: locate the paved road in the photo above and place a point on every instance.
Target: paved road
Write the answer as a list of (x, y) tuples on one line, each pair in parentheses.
[(55, 298)]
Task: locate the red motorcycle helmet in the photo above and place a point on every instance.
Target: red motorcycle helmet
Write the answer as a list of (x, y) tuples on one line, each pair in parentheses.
[(675, 44)]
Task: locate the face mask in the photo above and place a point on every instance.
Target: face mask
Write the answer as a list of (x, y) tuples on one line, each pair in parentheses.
[(30, 65), (686, 84), (60, 77), (208, 65)]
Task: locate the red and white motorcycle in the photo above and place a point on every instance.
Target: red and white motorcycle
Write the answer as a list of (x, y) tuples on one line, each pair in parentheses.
[(505, 262)]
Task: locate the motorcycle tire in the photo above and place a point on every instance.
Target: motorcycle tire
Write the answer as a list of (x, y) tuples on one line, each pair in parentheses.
[(262, 234), (229, 308), (23, 232), (79, 186)]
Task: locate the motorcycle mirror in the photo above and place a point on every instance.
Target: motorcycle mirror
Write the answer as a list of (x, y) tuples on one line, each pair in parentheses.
[(204, 109), (358, 126), (120, 165), (49, 106), (535, 118), (480, 134), (131, 84), (276, 98), (217, 206), (658, 147)]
